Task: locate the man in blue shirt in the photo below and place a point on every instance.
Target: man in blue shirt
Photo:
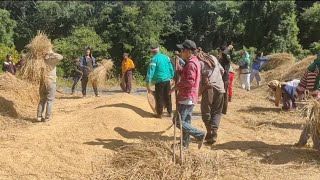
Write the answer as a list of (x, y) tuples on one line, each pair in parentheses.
[(160, 73), (256, 67)]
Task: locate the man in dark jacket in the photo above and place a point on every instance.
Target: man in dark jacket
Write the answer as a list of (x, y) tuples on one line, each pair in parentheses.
[(8, 65)]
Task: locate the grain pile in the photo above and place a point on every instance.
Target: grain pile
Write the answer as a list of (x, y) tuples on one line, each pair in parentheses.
[(153, 160), (17, 97), (99, 75), (35, 66)]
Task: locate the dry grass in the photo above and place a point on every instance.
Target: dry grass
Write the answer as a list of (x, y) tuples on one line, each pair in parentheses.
[(312, 111), (298, 69), (153, 160), (35, 68), (99, 75)]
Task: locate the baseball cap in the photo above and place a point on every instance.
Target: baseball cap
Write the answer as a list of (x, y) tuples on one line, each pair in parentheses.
[(187, 44)]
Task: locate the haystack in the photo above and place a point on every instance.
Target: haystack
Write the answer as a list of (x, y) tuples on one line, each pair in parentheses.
[(298, 69), (153, 160), (17, 97), (35, 66), (99, 75)]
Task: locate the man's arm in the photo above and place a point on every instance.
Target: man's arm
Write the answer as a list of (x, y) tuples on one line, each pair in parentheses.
[(170, 68), (151, 71)]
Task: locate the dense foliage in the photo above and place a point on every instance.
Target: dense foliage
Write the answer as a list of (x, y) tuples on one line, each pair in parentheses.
[(115, 27)]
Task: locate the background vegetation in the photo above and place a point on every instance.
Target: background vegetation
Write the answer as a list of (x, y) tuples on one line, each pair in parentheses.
[(112, 28)]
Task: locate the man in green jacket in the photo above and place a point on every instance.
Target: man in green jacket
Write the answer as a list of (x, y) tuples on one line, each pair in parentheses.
[(160, 73)]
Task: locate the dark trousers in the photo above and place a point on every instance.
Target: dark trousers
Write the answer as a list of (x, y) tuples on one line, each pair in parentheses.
[(212, 104), (163, 97), (75, 82), (128, 81), (84, 82), (225, 100)]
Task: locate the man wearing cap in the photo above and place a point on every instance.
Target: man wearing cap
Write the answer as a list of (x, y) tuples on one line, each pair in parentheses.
[(160, 72), (188, 88), (127, 69)]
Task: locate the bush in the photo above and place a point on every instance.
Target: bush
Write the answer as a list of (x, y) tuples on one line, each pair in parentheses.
[(4, 50), (315, 47)]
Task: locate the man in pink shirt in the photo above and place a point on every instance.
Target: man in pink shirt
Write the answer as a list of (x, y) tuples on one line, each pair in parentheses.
[(188, 88)]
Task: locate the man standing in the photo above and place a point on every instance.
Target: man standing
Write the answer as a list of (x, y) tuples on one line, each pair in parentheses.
[(127, 71), (188, 88), (256, 67), (48, 86), (225, 62), (213, 94), (87, 64), (77, 75), (160, 72), (8, 65)]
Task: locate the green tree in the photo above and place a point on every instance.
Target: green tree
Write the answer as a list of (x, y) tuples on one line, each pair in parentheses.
[(6, 28)]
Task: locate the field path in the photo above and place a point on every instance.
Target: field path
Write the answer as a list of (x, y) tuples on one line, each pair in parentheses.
[(255, 139)]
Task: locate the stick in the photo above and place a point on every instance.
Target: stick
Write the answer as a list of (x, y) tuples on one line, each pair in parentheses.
[(174, 138), (181, 156)]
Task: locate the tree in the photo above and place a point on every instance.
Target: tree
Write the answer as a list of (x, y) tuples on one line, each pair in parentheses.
[(6, 28)]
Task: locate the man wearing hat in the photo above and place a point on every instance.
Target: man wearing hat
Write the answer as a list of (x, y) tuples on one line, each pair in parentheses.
[(160, 72), (127, 71), (188, 88)]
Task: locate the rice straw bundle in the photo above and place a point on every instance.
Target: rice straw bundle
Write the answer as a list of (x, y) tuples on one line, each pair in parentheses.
[(99, 74), (279, 59), (312, 111), (35, 66), (153, 160)]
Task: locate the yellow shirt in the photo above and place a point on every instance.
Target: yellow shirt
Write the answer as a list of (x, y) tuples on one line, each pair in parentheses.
[(127, 64)]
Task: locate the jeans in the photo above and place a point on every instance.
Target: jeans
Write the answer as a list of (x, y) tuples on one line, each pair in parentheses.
[(211, 109), (75, 82), (163, 97), (255, 74), (84, 82), (47, 96), (187, 129), (245, 81)]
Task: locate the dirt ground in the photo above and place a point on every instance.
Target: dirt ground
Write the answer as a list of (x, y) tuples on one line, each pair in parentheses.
[(255, 139)]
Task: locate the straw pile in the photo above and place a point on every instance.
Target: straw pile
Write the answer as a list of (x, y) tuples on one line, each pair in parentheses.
[(98, 75), (35, 66), (298, 69), (312, 111), (153, 160), (17, 97)]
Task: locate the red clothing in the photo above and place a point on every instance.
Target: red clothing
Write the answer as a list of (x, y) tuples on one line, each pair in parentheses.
[(190, 79), (230, 88)]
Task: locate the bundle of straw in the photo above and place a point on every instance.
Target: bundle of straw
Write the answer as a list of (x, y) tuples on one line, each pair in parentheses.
[(312, 111), (153, 160), (99, 74), (279, 59), (35, 67)]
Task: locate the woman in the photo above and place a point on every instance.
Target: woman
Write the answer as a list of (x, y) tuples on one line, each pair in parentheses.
[(127, 72), (244, 66)]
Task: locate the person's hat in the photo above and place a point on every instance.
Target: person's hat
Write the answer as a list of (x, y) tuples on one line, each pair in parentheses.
[(278, 93), (154, 47), (187, 44), (125, 54), (176, 53)]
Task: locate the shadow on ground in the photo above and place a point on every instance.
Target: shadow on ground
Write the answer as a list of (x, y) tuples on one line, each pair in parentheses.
[(111, 144), (7, 108), (143, 135), (70, 97), (281, 125), (272, 154), (141, 112), (259, 109)]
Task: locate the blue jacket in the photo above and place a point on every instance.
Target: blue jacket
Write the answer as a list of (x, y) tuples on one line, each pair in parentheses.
[(83, 61), (258, 62), (160, 69)]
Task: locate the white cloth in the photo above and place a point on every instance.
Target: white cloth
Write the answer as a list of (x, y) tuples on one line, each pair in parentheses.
[(186, 102), (245, 81)]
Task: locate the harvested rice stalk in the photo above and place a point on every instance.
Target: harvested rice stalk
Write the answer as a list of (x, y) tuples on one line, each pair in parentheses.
[(153, 160), (35, 67), (99, 74), (279, 59), (312, 111)]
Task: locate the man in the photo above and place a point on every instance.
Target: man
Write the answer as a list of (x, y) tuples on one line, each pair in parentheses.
[(48, 86), (77, 74), (87, 64), (225, 62), (8, 65), (213, 94), (256, 67), (127, 72), (160, 72), (188, 88)]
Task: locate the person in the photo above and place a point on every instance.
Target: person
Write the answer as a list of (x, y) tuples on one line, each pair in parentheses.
[(160, 72), (244, 64), (188, 88), (8, 65), (230, 86), (127, 72), (229, 50), (77, 74), (47, 87), (286, 91), (177, 58), (225, 62), (213, 94), (256, 67), (21, 63), (87, 65)]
